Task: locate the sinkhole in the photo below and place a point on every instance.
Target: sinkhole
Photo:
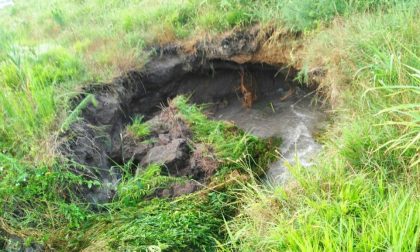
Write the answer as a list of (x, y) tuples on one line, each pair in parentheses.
[(264, 100)]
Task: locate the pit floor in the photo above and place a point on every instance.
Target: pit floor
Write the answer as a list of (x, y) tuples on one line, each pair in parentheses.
[(295, 120)]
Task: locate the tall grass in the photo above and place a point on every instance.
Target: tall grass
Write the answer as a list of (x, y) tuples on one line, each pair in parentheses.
[(329, 210), (362, 195), (29, 81), (35, 191), (112, 35)]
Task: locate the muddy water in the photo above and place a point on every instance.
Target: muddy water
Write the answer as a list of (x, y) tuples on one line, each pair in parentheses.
[(295, 119)]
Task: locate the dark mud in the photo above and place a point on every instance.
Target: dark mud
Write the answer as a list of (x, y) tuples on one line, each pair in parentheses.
[(210, 75)]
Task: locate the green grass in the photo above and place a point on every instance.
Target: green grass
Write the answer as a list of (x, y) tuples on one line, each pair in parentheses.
[(188, 223), (329, 210), (232, 146), (361, 195), (180, 226), (31, 83), (39, 202), (138, 128), (133, 189)]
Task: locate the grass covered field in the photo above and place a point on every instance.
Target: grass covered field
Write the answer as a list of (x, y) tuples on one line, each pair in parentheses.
[(361, 195)]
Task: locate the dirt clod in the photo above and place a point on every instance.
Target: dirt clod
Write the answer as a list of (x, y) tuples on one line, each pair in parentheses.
[(203, 162), (172, 156), (179, 189)]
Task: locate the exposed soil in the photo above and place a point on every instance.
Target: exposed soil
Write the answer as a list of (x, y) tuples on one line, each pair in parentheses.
[(209, 74), (169, 144)]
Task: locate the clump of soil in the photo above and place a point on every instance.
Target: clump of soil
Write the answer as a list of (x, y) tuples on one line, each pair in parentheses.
[(170, 144), (166, 143)]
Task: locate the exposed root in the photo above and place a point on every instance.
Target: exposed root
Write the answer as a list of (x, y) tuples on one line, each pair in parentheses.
[(289, 93), (247, 91), (233, 178)]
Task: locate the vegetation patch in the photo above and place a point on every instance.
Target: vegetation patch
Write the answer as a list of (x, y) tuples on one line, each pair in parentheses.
[(138, 128), (136, 219)]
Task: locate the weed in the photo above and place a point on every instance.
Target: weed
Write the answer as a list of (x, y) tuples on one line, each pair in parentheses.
[(181, 226), (74, 115), (133, 189), (139, 129), (50, 186)]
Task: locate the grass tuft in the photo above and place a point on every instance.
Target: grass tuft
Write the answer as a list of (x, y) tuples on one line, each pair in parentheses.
[(138, 128)]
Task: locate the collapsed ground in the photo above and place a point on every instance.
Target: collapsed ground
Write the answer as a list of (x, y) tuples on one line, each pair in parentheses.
[(141, 140), (137, 142), (99, 141)]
